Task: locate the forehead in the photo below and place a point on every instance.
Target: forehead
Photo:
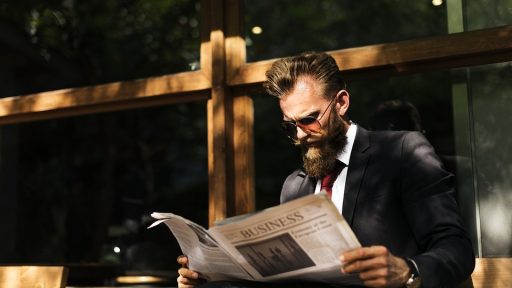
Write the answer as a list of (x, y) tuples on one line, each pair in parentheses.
[(305, 98)]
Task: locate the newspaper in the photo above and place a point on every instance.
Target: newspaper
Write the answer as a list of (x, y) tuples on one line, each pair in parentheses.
[(297, 241)]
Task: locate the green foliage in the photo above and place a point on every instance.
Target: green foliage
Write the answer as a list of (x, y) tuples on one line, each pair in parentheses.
[(323, 25), (90, 42), (82, 177)]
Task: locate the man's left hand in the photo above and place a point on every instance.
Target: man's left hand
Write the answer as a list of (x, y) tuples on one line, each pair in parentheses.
[(376, 266)]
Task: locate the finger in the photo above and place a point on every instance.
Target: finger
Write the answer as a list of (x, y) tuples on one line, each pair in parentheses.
[(187, 282), (381, 282), (183, 260), (366, 264), (363, 253), (374, 274), (183, 283), (187, 273)]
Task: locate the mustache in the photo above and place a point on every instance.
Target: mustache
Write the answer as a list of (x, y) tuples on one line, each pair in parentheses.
[(319, 138), (316, 137)]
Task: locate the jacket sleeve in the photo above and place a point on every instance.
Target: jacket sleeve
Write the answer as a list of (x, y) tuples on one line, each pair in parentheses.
[(429, 203)]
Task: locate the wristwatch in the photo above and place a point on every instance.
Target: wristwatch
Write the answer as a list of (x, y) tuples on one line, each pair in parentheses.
[(415, 280)]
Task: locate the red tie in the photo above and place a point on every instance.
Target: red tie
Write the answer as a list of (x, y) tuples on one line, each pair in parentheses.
[(329, 179)]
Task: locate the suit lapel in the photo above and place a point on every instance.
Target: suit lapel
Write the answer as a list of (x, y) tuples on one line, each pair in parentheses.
[(307, 186), (356, 170)]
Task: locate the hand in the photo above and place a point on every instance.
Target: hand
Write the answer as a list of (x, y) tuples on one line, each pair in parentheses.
[(376, 266), (187, 278)]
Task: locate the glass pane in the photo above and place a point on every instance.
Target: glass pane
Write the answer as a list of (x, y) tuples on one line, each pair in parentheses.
[(271, 147), (85, 188), (491, 92), (279, 28), (488, 13), (48, 45)]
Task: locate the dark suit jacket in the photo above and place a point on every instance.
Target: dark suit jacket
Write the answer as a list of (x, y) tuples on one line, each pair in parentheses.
[(397, 194)]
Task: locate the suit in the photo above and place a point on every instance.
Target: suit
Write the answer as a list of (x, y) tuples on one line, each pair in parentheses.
[(397, 194)]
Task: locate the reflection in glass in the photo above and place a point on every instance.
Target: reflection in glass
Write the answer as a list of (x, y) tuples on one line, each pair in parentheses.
[(491, 92), (483, 14), (61, 44), (276, 28), (85, 186)]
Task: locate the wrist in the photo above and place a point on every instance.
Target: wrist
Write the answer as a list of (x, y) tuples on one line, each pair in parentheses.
[(414, 279)]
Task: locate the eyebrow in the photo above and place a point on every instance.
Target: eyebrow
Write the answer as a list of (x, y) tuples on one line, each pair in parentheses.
[(301, 117)]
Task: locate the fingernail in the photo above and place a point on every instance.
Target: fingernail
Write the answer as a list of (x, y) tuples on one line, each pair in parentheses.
[(342, 259)]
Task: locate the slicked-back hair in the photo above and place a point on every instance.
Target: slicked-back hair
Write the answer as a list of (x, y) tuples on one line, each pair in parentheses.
[(284, 73)]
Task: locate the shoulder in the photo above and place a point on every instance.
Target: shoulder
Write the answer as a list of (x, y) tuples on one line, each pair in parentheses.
[(297, 184), (394, 136), (398, 148), (401, 141)]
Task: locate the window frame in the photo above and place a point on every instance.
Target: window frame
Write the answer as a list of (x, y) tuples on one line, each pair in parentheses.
[(226, 80)]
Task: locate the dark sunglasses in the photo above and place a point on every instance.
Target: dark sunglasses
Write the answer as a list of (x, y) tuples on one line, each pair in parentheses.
[(309, 124)]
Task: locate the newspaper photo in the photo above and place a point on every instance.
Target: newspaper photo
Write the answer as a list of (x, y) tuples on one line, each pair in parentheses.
[(297, 241)]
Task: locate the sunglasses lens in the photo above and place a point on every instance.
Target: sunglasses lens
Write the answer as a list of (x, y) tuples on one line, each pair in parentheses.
[(308, 122), (290, 129)]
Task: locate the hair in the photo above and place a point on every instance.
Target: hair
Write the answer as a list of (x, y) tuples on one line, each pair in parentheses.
[(284, 73), (396, 115)]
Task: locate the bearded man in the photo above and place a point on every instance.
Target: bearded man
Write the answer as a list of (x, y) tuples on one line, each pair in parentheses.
[(390, 186)]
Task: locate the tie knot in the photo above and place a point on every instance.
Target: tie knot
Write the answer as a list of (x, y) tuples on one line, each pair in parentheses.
[(329, 179)]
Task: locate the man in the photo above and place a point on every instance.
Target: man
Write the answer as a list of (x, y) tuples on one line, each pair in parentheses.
[(389, 185)]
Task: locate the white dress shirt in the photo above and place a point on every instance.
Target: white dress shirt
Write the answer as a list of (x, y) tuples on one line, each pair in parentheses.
[(338, 188)]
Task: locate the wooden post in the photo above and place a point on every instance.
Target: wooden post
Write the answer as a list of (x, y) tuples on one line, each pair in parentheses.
[(220, 155), (230, 119), (243, 114)]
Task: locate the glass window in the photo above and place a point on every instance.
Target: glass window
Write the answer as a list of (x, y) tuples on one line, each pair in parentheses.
[(60, 44), (277, 29), (488, 13), (491, 95), (85, 187), (271, 146)]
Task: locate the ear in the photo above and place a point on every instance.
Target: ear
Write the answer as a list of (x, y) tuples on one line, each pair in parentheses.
[(343, 102)]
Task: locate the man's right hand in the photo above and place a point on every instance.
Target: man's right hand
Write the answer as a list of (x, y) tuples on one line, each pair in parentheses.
[(187, 278)]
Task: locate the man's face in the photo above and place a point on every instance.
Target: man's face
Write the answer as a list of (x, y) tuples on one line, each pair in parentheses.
[(320, 148)]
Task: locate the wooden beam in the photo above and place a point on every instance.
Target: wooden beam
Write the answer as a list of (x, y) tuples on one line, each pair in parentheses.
[(105, 97), (243, 139), (220, 126), (442, 52), (72, 111), (243, 112)]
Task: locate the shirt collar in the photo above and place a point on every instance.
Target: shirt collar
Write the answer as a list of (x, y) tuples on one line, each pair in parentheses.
[(344, 155)]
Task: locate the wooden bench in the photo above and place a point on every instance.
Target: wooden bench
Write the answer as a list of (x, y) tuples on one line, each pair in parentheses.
[(492, 272), (33, 276)]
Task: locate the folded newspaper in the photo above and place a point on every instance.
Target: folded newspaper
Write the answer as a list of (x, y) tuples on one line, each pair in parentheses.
[(297, 241)]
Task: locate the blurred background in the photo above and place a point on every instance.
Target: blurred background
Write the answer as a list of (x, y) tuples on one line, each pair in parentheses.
[(79, 190)]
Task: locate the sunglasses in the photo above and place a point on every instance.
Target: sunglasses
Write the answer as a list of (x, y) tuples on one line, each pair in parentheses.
[(309, 124)]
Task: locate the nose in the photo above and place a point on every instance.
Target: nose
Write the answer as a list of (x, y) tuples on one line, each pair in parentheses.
[(301, 134)]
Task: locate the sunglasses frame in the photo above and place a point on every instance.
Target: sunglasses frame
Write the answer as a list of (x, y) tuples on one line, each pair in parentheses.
[(290, 127)]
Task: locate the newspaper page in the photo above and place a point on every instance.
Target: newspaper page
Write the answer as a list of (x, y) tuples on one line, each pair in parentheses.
[(299, 240), (204, 253)]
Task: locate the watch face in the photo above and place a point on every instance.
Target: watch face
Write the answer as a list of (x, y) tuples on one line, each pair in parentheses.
[(413, 282)]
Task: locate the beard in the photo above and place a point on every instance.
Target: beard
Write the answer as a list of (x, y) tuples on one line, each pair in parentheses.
[(321, 158)]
